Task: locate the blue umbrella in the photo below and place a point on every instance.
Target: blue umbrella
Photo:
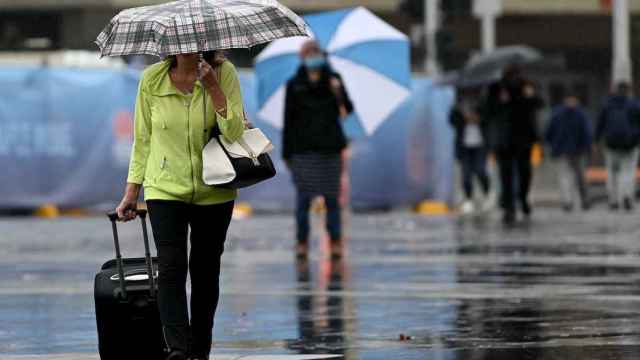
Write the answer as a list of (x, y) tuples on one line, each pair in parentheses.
[(372, 57)]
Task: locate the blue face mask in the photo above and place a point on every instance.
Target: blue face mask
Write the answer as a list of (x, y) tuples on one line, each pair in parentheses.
[(314, 62)]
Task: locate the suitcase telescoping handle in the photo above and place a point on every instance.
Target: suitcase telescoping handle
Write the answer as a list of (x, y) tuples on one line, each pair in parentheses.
[(113, 216)]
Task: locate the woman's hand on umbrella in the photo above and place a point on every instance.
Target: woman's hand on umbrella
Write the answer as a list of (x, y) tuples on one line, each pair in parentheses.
[(504, 96), (336, 85), (529, 91), (208, 75)]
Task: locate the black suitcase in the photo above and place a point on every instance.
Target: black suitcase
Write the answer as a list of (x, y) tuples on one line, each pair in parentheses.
[(127, 314)]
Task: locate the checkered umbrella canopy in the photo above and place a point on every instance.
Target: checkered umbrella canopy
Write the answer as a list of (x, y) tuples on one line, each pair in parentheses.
[(191, 26)]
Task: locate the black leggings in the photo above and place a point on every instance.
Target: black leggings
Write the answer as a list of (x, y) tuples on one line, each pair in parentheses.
[(170, 221), (474, 163)]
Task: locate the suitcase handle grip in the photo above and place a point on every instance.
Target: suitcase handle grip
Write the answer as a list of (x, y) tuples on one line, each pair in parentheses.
[(113, 215)]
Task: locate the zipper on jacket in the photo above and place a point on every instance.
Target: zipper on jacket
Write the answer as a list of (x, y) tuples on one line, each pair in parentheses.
[(193, 184)]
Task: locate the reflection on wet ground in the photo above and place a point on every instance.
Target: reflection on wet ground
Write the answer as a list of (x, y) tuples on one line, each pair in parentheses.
[(560, 287)]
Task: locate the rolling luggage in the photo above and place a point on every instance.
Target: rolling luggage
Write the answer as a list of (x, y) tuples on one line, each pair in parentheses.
[(127, 314)]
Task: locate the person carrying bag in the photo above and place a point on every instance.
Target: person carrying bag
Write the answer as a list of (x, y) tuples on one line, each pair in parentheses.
[(172, 127)]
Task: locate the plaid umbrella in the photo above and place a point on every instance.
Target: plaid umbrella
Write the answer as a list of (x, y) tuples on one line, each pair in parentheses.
[(192, 26)]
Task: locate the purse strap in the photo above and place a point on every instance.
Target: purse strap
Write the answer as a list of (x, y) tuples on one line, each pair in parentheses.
[(215, 130), (253, 156)]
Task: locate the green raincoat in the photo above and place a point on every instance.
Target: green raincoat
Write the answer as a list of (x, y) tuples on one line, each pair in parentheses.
[(170, 135)]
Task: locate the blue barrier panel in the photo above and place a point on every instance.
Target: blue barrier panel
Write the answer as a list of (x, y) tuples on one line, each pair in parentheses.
[(65, 138), (64, 135)]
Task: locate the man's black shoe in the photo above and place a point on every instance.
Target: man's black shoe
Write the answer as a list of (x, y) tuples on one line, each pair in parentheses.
[(526, 208), (509, 218)]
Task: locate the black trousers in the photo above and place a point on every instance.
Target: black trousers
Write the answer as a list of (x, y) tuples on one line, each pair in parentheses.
[(170, 221), (474, 163), (511, 161)]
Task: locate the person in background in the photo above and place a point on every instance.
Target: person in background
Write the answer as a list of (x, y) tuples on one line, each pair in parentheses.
[(494, 108), (618, 130), (313, 141), (570, 137), (520, 134), (471, 150)]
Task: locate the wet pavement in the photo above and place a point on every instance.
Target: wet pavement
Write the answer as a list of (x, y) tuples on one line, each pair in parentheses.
[(560, 287)]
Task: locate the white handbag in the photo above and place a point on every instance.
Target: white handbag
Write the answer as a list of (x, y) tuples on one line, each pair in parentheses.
[(242, 163), (239, 164)]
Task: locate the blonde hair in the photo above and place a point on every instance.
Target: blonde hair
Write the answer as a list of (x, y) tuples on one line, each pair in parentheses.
[(215, 58), (309, 47)]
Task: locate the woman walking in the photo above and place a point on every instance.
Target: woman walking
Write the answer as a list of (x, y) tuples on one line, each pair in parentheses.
[(170, 133), (313, 140), (471, 145)]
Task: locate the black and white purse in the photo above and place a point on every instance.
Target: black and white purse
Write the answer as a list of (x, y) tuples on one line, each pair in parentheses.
[(240, 164), (236, 165)]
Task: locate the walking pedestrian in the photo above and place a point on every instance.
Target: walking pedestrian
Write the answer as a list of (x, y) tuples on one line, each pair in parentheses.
[(570, 137), (313, 141), (471, 143), (170, 133), (618, 130), (519, 98)]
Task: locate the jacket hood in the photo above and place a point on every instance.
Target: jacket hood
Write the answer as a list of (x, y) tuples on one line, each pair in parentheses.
[(154, 76)]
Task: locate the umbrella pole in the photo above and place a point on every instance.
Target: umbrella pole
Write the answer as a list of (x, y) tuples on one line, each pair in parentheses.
[(204, 102), (204, 90)]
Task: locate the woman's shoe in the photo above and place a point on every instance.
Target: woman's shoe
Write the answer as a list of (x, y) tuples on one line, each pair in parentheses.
[(467, 207), (302, 251), (177, 355), (336, 251)]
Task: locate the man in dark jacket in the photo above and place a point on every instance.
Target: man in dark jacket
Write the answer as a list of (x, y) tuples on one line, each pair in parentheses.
[(313, 141), (618, 130), (471, 149), (570, 137), (518, 105)]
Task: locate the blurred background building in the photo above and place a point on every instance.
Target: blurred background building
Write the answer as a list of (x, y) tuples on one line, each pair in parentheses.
[(74, 24), (574, 35)]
